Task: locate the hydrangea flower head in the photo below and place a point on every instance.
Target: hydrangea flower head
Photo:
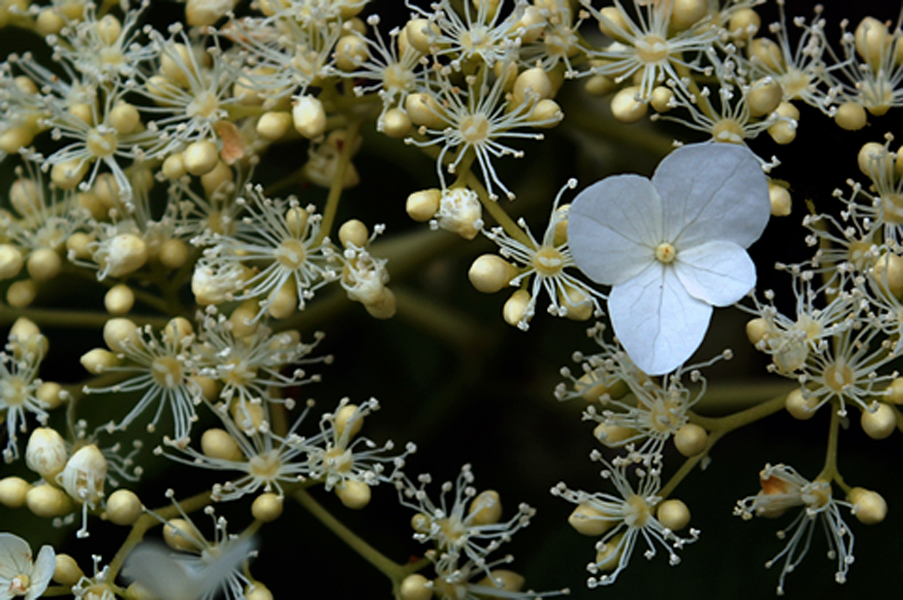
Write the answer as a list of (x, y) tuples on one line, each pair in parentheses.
[(673, 247)]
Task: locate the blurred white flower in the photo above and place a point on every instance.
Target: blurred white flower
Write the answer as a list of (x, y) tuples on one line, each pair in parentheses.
[(673, 247), (20, 575)]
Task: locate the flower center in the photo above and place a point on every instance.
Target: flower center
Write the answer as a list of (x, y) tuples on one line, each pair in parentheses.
[(167, 371), (13, 391), (101, 144), (652, 49), (18, 585), (665, 253), (728, 130), (838, 376), (204, 105), (291, 254), (548, 261), (397, 79), (265, 466), (637, 511), (475, 128)]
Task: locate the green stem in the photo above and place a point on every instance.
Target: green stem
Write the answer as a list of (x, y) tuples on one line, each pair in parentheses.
[(338, 181), (70, 318), (829, 471)]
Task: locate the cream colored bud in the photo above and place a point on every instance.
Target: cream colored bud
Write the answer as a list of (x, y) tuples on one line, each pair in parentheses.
[(207, 12), (423, 205), (661, 99), (626, 107), (258, 591), (97, 360), (77, 244), (25, 196), (515, 308), (784, 132), (124, 118), (46, 453), (14, 139), (119, 299), (177, 331), (423, 110), (120, 334), (686, 13), (244, 318), (417, 32), (67, 175), (590, 521), (267, 507), (106, 189), (66, 571), (350, 52), (608, 556), (214, 179), (612, 23), (888, 273), (217, 443), (546, 114), (599, 85), (11, 261), (894, 391), (13, 491), (799, 406), (780, 200), (51, 394), (613, 436), (673, 514), (756, 330), (384, 307), (309, 117), (174, 254), (353, 233), (22, 293), (44, 264), (49, 21), (27, 336), (416, 587), (395, 123), (869, 507), (764, 96), (179, 534), (531, 24), (532, 85), (353, 494), (125, 254), (210, 388), (274, 125), (200, 157), (123, 507), (175, 67), (870, 155), (47, 501), (592, 389), (851, 116), (490, 273), (343, 418), (485, 508), (872, 39), (84, 475), (248, 417), (744, 24), (283, 303), (879, 421), (767, 53), (575, 302), (691, 439), (174, 167)]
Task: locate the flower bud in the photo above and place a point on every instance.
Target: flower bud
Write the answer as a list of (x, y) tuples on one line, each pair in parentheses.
[(67, 572), (383, 307), (217, 443), (423, 205), (47, 501), (485, 508), (423, 110), (343, 421), (258, 591), (267, 507), (613, 436), (97, 360), (120, 334), (179, 534), (124, 254), (123, 507), (691, 439), (353, 494), (850, 116), (490, 273), (350, 52), (11, 261), (686, 13), (590, 521), (13, 491), (673, 514), (67, 175), (744, 24), (416, 587), (764, 96), (502, 579), (200, 157), (515, 309), (353, 233), (22, 293), (869, 507), (395, 123), (309, 117), (119, 299), (626, 107), (872, 38), (879, 421), (84, 475), (51, 394), (46, 453), (799, 406), (780, 200)]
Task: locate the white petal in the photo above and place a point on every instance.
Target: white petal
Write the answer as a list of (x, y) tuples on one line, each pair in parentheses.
[(614, 227), (712, 192), (718, 273), (15, 556), (657, 321), (42, 572)]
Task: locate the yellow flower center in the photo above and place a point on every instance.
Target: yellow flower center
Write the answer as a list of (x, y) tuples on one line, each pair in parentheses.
[(167, 371), (291, 254), (100, 144), (548, 261), (665, 253), (652, 49)]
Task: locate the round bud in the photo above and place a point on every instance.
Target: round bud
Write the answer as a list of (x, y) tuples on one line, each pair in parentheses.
[(612, 23), (217, 443), (173, 254), (870, 154), (894, 391), (49, 21), (66, 571), (532, 85), (872, 38), (174, 167), (515, 308), (210, 388), (213, 179), (126, 253), (490, 273), (177, 64), (124, 118), (691, 439), (780, 200), (767, 53), (599, 85), (22, 293), (11, 260), (207, 12), (47, 501), (13, 491), (546, 114), (353, 233), (415, 587), (51, 394), (418, 31), (267, 507), (485, 508), (384, 307), (879, 421), (177, 330), (27, 336), (799, 406), (395, 123), (353, 494), (850, 116), (274, 125), (609, 554), (68, 174), (575, 302), (888, 273), (15, 138), (626, 107), (123, 507), (343, 420), (84, 475), (673, 514), (258, 591), (179, 534), (98, 359), (613, 436), (661, 99), (868, 507), (685, 13), (744, 24), (243, 318), (77, 244), (25, 197), (309, 117), (46, 453), (200, 157), (120, 334), (283, 302), (756, 330), (423, 110), (764, 96), (589, 520), (119, 299), (249, 417), (423, 205), (350, 52)]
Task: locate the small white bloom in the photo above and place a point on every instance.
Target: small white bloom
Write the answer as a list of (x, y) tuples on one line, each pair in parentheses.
[(673, 247), (20, 575)]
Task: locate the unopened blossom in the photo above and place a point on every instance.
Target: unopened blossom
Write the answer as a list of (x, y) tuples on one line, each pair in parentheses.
[(673, 247), (20, 575)]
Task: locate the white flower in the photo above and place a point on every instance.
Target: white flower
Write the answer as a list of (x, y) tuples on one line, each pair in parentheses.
[(673, 247), (20, 576)]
